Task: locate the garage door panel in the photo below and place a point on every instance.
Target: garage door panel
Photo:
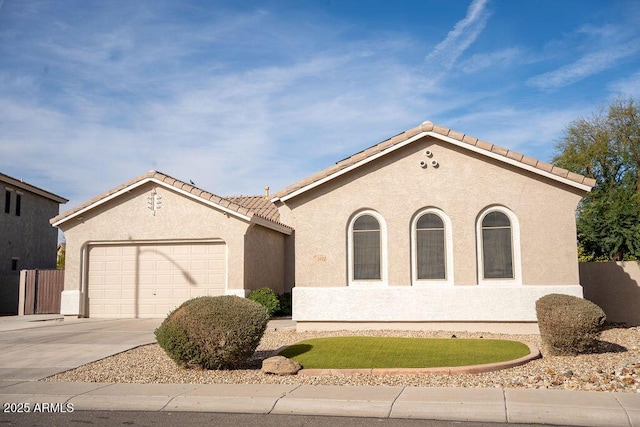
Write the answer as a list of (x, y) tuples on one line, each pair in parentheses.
[(164, 280), (199, 265), (181, 294), (164, 275)]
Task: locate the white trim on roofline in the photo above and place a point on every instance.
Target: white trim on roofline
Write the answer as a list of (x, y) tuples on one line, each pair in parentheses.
[(349, 168), (441, 137), (145, 181)]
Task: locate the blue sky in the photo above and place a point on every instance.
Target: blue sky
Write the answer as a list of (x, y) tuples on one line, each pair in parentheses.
[(237, 95)]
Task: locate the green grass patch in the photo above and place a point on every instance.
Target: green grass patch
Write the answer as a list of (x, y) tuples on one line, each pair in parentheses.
[(387, 352)]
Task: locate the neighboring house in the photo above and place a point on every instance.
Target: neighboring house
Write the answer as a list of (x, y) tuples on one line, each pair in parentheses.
[(147, 246), (27, 240), (429, 229)]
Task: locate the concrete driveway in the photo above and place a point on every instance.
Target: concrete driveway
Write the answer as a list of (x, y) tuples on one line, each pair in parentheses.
[(32, 348)]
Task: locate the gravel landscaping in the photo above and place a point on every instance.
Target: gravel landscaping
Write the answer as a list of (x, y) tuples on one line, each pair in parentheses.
[(616, 367)]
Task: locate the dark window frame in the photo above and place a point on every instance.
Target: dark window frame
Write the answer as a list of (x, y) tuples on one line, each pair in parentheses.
[(363, 236), (424, 234), (497, 229)]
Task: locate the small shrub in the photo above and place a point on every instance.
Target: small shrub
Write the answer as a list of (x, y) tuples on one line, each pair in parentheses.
[(267, 298), (569, 325), (213, 332), (286, 306)]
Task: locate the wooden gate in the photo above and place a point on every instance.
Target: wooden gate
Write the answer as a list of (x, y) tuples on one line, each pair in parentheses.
[(43, 289)]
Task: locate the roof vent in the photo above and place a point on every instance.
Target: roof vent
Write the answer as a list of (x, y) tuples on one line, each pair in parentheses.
[(266, 192)]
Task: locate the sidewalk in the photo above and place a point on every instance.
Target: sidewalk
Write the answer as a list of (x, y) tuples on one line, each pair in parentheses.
[(575, 408)]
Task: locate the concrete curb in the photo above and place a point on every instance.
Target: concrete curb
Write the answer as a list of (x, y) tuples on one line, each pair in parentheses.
[(527, 406), (534, 353)]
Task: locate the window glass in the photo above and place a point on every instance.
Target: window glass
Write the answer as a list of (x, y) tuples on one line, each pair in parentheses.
[(430, 247), (366, 248), (497, 251), (7, 201)]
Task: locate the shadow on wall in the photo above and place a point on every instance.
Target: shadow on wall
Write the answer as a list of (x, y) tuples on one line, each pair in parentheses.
[(9, 293), (615, 287)]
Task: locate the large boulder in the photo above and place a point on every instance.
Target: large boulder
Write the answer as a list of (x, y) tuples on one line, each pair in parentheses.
[(280, 365)]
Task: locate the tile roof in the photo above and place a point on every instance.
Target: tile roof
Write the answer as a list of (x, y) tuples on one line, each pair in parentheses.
[(259, 205), (259, 211), (442, 133), (31, 188)]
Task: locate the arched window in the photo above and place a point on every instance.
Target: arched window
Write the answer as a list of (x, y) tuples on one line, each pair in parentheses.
[(498, 246), (430, 248), (367, 249), (366, 241)]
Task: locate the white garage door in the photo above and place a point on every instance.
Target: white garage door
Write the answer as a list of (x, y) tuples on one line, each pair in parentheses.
[(149, 281)]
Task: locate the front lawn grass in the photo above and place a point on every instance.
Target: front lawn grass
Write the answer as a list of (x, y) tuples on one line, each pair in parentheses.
[(390, 352)]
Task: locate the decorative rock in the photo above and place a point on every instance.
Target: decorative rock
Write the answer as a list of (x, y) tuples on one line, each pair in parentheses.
[(280, 365)]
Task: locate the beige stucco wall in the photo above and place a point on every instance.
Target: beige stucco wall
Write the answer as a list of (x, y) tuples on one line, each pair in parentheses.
[(264, 259), (462, 186), (615, 287), (128, 218)]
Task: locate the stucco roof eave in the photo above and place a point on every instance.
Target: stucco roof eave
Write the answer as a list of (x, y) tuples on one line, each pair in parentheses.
[(166, 181)]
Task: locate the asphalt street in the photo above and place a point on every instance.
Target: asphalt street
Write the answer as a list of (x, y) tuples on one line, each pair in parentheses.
[(199, 419)]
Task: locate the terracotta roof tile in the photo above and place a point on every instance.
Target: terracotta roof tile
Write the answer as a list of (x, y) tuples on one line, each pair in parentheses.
[(499, 150), (435, 129), (412, 132), (515, 156), (426, 127), (484, 145), (544, 166), (559, 171), (441, 130), (470, 139), (456, 135), (575, 177), (259, 205)]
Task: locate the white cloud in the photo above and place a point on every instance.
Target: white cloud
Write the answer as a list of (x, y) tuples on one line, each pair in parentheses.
[(501, 57), (592, 49), (628, 86), (465, 32), (589, 64)]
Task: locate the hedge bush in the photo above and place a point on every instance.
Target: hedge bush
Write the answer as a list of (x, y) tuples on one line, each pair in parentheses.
[(213, 332), (267, 298), (569, 325)]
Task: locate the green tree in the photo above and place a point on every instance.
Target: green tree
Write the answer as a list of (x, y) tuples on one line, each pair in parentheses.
[(606, 147)]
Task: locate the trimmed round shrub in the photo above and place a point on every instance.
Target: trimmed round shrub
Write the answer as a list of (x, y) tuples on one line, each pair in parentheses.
[(569, 325), (286, 306), (213, 332), (267, 298)]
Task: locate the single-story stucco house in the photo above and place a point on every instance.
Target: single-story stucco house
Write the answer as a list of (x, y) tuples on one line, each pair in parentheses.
[(429, 229)]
